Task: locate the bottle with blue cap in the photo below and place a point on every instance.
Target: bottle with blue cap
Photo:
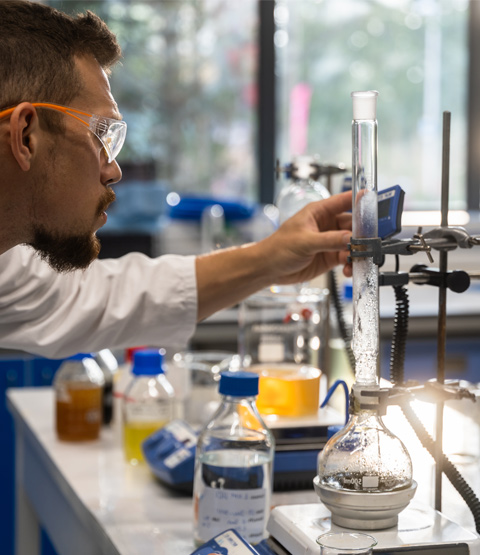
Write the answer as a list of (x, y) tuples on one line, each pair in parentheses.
[(78, 385), (233, 464), (148, 402)]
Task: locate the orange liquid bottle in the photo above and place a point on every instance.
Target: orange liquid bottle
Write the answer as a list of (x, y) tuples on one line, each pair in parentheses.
[(78, 389), (79, 412)]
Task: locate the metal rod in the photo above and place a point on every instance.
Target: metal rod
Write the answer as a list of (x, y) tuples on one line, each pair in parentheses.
[(445, 167), (266, 106), (442, 313)]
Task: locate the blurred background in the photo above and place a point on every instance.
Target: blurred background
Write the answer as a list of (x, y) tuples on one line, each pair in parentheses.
[(215, 91)]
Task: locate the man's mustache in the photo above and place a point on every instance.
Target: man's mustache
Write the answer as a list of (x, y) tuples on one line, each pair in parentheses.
[(106, 200)]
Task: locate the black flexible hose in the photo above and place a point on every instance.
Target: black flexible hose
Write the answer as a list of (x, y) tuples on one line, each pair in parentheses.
[(399, 337), (448, 467), (345, 333), (397, 370)]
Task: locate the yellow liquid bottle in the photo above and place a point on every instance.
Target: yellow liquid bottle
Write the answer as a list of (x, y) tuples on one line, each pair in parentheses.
[(148, 403), (134, 434)]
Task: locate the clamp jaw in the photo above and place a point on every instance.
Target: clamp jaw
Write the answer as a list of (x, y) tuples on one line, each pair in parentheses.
[(439, 238), (379, 398)]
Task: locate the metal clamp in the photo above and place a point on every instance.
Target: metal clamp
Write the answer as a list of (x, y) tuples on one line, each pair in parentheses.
[(449, 238), (423, 246), (364, 248)]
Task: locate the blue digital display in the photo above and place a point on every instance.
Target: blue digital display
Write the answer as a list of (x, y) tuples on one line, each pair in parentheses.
[(390, 208)]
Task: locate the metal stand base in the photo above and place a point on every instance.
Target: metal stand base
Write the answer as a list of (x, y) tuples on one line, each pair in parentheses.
[(364, 511)]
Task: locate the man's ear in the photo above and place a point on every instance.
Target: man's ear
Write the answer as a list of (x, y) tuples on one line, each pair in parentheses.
[(24, 129)]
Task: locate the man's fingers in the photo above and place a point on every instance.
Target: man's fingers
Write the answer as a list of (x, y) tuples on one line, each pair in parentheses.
[(332, 240), (344, 221), (338, 203)]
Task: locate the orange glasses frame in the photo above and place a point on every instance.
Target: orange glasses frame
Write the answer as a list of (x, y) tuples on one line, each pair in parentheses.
[(72, 112)]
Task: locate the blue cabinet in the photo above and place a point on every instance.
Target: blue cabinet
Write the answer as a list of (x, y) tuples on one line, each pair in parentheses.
[(17, 372)]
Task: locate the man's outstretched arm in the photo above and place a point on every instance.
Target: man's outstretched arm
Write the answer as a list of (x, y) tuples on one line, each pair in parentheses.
[(308, 244)]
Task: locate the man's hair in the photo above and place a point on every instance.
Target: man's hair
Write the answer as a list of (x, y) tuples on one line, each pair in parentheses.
[(38, 46)]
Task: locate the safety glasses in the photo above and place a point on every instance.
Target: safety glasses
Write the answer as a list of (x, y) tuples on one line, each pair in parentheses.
[(110, 132)]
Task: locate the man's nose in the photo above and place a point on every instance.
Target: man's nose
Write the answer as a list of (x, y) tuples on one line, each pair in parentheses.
[(112, 173)]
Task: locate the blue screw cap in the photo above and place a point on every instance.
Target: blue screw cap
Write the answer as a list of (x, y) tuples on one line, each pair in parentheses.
[(148, 362), (238, 384)]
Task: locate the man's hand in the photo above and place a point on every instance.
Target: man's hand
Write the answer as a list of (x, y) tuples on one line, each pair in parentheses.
[(311, 242)]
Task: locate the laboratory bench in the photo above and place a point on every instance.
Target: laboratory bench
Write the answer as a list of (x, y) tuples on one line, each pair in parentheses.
[(87, 498), (90, 501)]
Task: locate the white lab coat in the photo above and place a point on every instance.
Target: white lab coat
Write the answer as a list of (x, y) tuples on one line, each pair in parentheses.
[(115, 303)]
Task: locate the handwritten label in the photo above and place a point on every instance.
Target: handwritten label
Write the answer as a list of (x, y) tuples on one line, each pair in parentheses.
[(243, 510)]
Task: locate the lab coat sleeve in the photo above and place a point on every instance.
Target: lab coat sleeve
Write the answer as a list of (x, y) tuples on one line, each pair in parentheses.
[(115, 303)]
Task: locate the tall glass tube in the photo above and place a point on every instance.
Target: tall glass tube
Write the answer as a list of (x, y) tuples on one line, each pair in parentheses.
[(364, 456), (365, 336)]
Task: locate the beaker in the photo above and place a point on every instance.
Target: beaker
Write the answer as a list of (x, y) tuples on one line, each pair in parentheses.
[(283, 337), (203, 370), (346, 543)]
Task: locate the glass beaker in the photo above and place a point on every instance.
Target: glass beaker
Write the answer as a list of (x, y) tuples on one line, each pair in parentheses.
[(283, 337), (346, 543), (203, 370)]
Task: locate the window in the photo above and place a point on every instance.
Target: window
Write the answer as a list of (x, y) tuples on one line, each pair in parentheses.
[(187, 90), (414, 52)]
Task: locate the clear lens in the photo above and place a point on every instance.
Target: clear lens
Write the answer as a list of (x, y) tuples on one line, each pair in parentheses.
[(111, 133)]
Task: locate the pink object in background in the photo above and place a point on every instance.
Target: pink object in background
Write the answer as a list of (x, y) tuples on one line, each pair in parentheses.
[(299, 113)]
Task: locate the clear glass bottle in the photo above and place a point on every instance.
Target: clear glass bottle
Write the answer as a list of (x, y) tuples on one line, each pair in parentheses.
[(78, 386), (148, 402), (303, 188), (121, 380), (233, 465)]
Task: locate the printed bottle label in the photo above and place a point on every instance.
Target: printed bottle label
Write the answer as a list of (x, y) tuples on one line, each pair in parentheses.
[(149, 411)]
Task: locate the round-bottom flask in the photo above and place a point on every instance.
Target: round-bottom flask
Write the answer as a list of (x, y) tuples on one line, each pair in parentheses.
[(365, 456), (364, 471)]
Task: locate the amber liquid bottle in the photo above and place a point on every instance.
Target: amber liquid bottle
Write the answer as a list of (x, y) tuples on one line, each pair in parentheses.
[(78, 390)]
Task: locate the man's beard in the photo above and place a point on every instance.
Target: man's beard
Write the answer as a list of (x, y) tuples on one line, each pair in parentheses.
[(65, 253)]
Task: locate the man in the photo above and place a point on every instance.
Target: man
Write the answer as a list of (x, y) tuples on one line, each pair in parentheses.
[(60, 130)]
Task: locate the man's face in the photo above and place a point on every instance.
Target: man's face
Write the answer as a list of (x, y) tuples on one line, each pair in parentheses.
[(73, 189)]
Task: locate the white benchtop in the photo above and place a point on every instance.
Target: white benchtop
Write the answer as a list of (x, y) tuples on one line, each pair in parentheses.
[(89, 499)]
